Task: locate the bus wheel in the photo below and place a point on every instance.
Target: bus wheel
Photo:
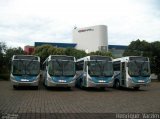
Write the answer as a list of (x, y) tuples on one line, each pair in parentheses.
[(102, 88), (77, 85), (69, 88), (81, 84), (117, 84), (36, 87), (15, 87), (136, 88)]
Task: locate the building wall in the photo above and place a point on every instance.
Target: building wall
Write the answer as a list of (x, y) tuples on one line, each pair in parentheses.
[(91, 38), (29, 50), (117, 50)]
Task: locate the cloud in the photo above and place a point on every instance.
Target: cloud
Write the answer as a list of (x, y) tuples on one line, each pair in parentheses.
[(23, 22)]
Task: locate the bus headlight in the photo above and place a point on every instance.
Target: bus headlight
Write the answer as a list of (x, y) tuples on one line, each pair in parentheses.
[(130, 80), (12, 77), (89, 78), (49, 78)]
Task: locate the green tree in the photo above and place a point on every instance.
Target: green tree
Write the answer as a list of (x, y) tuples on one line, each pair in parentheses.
[(155, 48), (138, 48), (45, 50), (3, 48), (76, 53), (102, 53)]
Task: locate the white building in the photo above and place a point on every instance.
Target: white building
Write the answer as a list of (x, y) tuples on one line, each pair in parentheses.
[(91, 38)]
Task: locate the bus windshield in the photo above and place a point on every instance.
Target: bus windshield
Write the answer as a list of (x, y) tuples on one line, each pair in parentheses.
[(100, 68), (136, 68), (61, 68), (25, 67)]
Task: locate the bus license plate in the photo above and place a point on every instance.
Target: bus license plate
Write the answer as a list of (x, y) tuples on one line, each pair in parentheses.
[(101, 81), (24, 80), (140, 81), (62, 81)]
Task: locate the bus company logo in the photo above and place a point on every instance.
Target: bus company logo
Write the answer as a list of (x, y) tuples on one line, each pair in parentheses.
[(85, 30)]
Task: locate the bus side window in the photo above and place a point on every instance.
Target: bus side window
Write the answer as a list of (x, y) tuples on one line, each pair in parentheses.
[(79, 66), (116, 66)]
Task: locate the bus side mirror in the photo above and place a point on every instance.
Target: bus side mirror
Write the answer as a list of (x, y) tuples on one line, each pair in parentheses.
[(88, 63)]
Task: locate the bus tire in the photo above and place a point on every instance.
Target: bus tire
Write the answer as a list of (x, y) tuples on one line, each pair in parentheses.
[(36, 87), (15, 87), (77, 85), (81, 84), (102, 88), (136, 88), (117, 84), (69, 88)]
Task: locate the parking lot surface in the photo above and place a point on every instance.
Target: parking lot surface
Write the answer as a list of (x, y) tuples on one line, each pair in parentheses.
[(92, 100)]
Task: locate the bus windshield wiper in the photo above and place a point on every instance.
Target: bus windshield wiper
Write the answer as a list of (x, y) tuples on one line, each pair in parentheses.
[(139, 67), (61, 67), (27, 65), (23, 65), (101, 68), (142, 67), (92, 70), (64, 65)]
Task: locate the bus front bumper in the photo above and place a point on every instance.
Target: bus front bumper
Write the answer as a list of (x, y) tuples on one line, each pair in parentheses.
[(20, 83), (98, 85), (55, 84), (132, 84)]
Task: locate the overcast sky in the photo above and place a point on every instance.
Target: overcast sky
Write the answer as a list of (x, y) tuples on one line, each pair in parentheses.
[(23, 22)]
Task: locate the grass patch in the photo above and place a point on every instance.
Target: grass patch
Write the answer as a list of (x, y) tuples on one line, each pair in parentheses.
[(4, 76)]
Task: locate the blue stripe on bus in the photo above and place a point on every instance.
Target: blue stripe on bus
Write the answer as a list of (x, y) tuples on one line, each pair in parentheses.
[(97, 79), (58, 78), (137, 79), (29, 78)]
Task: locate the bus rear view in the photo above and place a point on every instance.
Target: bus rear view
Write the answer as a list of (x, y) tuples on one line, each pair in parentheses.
[(25, 70)]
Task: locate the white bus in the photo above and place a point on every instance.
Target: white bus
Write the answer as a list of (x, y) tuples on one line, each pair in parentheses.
[(59, 71), (94, 71), (25, 70), (131, 72)]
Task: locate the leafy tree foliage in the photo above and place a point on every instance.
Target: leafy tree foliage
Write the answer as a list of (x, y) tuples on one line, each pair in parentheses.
[(45, 50), (76, 53), (102, 53), (137, 48), (2, 53)]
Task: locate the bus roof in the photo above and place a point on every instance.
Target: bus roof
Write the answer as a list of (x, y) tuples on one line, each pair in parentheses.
[(25, 57), (60, 57), (95, 57), (132, 58)]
